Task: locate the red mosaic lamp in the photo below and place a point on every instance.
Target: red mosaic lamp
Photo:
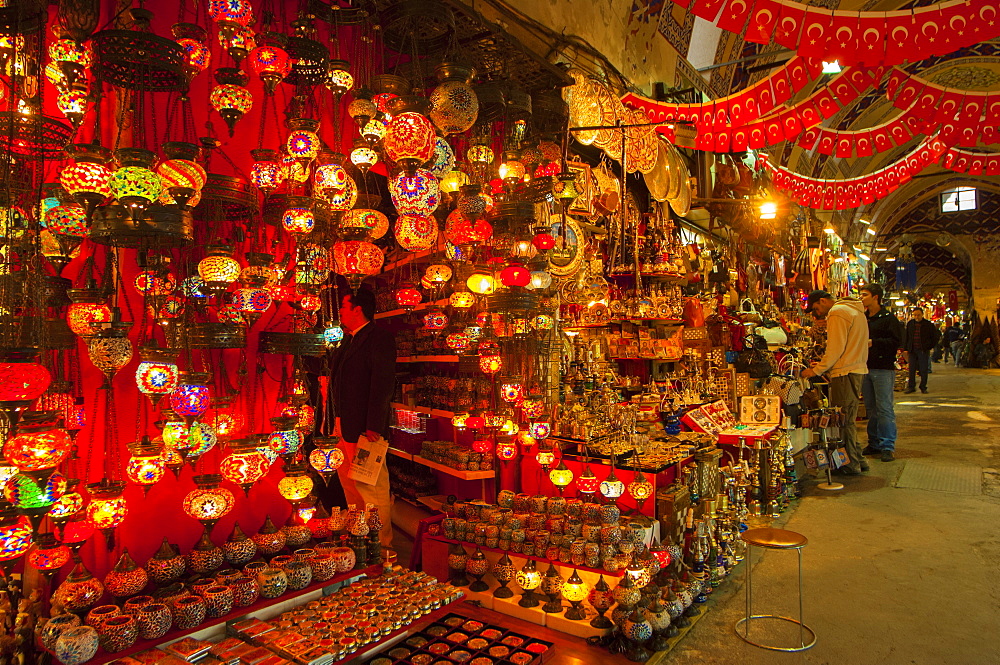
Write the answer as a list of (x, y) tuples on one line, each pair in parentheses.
[(271, 62), (107, 508), (208, 502), (245, 465)]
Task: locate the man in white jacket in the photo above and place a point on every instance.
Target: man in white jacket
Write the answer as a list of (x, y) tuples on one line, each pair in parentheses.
[(846, 362)]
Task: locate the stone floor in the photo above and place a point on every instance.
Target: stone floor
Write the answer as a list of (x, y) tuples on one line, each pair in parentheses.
[(893, 576)]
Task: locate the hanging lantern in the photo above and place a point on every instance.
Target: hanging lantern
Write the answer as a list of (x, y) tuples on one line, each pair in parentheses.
[(357, 259), (15, 534), (245, 465), (34, 495), (107, 508), (47, 555), (39, 445), (7, 471), (362, 109), (512, 169), (192, 38), (333, 335), (230, 97), (490, 363), (200, 439), (134, 184), (111, 349), (373, 132), (454, 105), (182, 178), (640, 489), (515, 275), (73, 104), (87, 178), (155, 283), (271, 62), (175, 431), (67, 220), (266, 172), (435, 321), (480, 155), (543, 241), (438, 273), (512, 391), (326, 457), (481, 282), (416, 194), (459, 229), (22, 380), (453, 181), (219, 269), (458, 342), (285, 440), (545, 457), (208, 502), (338, 79), (70, 61), (561, 477), (343, 200), (238, 12), (409, 140), (364, 157), (416, 232), (330, 177), (462, 300), (146, 466), (296, 485), (190, 399), (408, 297), (506, 450), (363, 224), (303, 143), (587, 483), (157, 373), (299, 217), (67, 506), (611, 487)]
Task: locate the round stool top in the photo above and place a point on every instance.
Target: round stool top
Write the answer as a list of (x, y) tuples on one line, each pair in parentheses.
[(775, 539)]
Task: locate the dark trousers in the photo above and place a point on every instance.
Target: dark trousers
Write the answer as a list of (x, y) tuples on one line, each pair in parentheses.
[(919, 361)]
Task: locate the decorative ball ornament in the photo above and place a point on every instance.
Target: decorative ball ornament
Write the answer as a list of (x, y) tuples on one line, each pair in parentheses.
[(109, 351), (416, 194), (191, 398), (134, 184), (453, 181), (540, 280), (333, 335), (490, 363), (357, 259), (208, 502), (506, 450), (219, 269), (47, 555), (481, 282), (238, 40), (198, 55), (416, 232), (73, 104), (236, 11), (480, 154), (303, 142), (157, 375), (611, 487), (38, 445), (408, 297), (296, 485), (512, 391), (343, 200), (373, 132), (201, 438), (299, 220), (146, 466), (285, 440), (362, 110), (542, 322), (561, 477), (330, 177), (338, 79), (539, 429), (454, 105), (515, 275), (364, 157), (362, 223), (326, 457), (438, 273), (435, 321), (462, 300), (409, 140), (640, 489)]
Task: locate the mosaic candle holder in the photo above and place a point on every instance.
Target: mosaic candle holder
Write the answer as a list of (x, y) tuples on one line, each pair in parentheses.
[(246, 591), (273, 582), (218, 601), (55, 627), (118, 633), (77, 645), (154, 621), (189, 612)]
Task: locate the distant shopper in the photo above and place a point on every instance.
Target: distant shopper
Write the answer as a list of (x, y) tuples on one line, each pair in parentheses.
[(846, 360), (885, 336), (952, 335), (921, 337)]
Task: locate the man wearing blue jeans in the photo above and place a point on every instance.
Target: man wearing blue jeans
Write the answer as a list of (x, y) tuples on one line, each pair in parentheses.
[(885, 335)]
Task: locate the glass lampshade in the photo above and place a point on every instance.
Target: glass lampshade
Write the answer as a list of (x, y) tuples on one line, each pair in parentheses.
[(208, 502), (561, 476)]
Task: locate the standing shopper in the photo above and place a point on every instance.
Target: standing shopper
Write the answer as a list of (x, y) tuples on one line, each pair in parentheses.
[(952, 334), (846, 360), (363, 381), (921, 337), (885, 336)]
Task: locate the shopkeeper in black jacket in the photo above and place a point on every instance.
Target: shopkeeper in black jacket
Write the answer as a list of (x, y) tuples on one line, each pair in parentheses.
[(921, 337), (885, 336)]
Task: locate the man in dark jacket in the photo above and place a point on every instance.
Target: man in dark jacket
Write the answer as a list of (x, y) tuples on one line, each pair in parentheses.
[(885, 336), (921, 337), (361, 384)]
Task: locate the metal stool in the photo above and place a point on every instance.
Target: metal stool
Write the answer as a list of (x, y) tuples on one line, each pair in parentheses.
[(773, 539)]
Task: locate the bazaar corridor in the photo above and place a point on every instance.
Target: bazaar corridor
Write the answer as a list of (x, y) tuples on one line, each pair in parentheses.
[(893, 574)]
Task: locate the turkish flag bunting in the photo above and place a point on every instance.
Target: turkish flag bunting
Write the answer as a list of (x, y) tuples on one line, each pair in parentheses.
[(954, 26), (909, 92), (706, 115), (947, 109), (829, 196), (871, 38), (762, 20), (824, 101), (880, 139), (827, 143), (993, 165), (993, 110), (808, 115), (986, 23), (927, 27), (735, 15), (765, 97), (722, 140), (781, 87), (807, 139), (757, 136), (791, 123), (861, 77), (707, 9), (789, 26), (989, 135), (898, 133), (914, 124), (843, 90), (864, 144), (899, 32), (773, 130), (843, 40), (976, 164), (738, 115), (739, 140), (845, 146), (879, 187), (720, 118), (891, 179), (705, 141), (971, 111), (798, 74), (815, 32), (948, 158), (865, 191), (928, 100), (750, 107), (968, 137)]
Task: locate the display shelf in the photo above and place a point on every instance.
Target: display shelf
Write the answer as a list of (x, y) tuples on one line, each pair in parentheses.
[(440, 413), (596, 571), (427, 359), (410, 310), (104, 657), (461, 475), (400, 453), (433, 501), (370, 650)]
